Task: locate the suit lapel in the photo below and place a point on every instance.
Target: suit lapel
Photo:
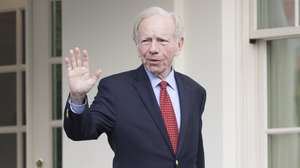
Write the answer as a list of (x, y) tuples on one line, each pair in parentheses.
[(145, 91), (184, 99)]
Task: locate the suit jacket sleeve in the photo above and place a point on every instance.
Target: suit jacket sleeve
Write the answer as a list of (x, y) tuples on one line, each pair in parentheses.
[(201, 160), (94, 120)]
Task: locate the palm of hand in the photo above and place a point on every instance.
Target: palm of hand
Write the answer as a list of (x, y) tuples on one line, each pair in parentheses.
[(80, 80)]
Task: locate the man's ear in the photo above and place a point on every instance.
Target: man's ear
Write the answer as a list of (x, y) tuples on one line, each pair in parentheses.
[(180, 43)]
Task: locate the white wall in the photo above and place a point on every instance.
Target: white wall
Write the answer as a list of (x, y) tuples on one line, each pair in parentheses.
[(104, 28), (204, 63)]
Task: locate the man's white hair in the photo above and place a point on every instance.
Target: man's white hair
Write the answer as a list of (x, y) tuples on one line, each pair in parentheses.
[(157, 11)]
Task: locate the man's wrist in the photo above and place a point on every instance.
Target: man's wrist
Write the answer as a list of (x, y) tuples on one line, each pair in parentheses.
[(77, 98)]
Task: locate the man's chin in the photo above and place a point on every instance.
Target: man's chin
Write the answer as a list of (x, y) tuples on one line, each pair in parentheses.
[(154, 70)]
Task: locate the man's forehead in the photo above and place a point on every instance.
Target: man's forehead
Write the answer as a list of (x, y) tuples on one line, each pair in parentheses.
[(159, 19), (155, 35), (163, 25)]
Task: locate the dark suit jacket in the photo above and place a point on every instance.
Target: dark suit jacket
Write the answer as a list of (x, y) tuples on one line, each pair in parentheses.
[(125, 109)]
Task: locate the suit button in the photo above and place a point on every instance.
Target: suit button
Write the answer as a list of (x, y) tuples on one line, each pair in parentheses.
[(67, 113), (177, 163)]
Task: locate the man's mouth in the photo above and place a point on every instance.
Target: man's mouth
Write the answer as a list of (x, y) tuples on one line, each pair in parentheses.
[(154, 60)]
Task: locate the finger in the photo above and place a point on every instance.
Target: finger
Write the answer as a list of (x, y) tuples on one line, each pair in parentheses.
[(68, 64), (72, 58), (85, 59), (97, 74), (77, 56)]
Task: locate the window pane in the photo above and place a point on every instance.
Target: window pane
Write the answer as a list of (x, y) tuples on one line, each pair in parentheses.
[(57, 147), (23, 98), (8, 99), (56, 92), (284, 151), (8, 150), (275, 13), (24, 149), (56, 28), (8, 38), (23, 37), (284, 83)]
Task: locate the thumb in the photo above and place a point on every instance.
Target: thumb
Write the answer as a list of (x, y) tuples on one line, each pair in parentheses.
[(97, 74)]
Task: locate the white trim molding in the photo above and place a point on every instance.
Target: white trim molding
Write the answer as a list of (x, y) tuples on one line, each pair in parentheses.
[(230, 54), (244, 90), (276, 131), (276, 33)]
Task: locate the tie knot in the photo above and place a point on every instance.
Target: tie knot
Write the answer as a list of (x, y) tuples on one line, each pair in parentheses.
[(163, 84)]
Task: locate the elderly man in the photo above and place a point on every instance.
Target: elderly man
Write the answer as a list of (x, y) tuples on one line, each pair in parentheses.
[(151, 115)]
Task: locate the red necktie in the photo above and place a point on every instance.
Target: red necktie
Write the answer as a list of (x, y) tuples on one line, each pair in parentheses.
[(168, 115)]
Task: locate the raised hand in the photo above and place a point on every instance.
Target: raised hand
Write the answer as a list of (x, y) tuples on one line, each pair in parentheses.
[(80, 79)]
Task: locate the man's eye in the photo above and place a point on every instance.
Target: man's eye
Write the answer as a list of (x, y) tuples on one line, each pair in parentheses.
[(163, 41), (146, 41)]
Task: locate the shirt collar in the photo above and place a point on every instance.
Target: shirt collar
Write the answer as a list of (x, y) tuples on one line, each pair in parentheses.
[(156, 80)]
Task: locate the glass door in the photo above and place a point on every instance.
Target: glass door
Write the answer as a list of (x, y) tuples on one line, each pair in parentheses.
[(12, 79), (30, 78)]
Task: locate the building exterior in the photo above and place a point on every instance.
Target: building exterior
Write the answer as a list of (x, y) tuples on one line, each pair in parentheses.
[(245, 52)]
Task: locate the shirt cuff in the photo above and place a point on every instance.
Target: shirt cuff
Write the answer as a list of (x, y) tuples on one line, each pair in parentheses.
[(77, 108)]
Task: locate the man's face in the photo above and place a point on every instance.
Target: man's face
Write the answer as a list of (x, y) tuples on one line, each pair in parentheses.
[(157, 44)]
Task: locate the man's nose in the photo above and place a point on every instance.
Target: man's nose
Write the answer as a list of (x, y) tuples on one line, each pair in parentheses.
[(154, 47)]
